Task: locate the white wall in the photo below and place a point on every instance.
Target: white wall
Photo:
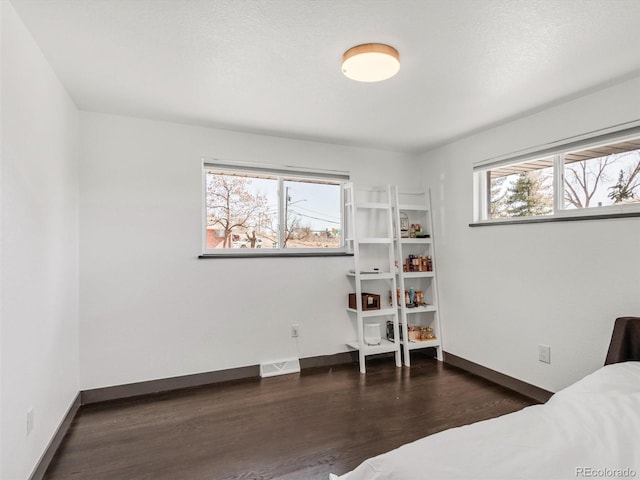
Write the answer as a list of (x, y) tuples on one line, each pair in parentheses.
[(149, 307), (506, 289), (39, 250)]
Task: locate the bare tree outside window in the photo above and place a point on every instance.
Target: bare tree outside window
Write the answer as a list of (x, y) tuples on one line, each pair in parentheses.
[(231, 205), (590, 183), (582, 180), (628, 183)]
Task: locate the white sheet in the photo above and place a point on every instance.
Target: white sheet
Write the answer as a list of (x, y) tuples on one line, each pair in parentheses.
[(593, 425)]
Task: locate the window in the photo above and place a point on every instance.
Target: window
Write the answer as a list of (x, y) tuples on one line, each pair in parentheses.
[(597, 176), (250, 210)]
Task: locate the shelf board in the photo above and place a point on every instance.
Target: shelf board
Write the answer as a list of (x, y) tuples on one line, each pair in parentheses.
[(373, 276), (375, 240), (414, 207), (421, 241), (424, 344), (373, 205), (418, 274), (374, 313), (384, 347), (428, 308)]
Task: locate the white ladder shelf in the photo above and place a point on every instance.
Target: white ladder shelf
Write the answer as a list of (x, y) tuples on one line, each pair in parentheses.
[(372, 244), (417, 207)]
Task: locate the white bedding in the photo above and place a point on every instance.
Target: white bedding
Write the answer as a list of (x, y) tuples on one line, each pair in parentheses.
[(588, 430)]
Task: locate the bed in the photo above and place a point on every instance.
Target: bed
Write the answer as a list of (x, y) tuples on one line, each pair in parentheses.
[(590, 429)]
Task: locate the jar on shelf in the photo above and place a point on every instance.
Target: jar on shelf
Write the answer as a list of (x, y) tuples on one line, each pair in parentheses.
[(414, 333), (372, 334), (426, 333)]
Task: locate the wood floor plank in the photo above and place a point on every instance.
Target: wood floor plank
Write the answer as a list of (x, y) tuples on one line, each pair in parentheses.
[(299, 426)]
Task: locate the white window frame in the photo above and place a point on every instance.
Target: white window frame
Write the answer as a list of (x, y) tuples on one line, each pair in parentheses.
[(282, 172), (619, 133)]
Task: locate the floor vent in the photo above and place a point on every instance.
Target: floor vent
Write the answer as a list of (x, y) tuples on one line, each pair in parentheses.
[(281, 367)]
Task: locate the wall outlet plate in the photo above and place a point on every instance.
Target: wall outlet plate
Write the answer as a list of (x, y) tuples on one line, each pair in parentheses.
[(544, 353)]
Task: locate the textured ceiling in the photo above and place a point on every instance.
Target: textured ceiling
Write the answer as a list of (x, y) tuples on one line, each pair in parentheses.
[(274, 66)]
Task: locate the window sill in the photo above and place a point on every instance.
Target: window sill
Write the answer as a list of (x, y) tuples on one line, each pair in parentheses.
[(557, 218), (274, 255)]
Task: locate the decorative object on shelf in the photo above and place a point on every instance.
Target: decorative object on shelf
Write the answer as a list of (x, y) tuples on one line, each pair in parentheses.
[(412, 231), (390, 335), (429, 334), (413, 298), (404, 225), (370, 301), (426, 333), (372, 334)]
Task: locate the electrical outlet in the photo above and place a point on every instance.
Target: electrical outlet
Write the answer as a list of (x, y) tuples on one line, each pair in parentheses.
[(29, 421), (544, 353), (295, 331)]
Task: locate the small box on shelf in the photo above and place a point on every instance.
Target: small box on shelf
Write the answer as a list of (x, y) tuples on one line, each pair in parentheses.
[(370, 301)]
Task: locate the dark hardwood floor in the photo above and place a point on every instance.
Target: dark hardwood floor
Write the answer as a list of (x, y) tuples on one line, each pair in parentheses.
[(299, 426)]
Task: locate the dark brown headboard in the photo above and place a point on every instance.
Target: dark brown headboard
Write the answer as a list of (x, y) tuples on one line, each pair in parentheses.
[(625, 341)]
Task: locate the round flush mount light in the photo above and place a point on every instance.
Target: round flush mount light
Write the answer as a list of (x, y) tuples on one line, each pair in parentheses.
[(370, 62)]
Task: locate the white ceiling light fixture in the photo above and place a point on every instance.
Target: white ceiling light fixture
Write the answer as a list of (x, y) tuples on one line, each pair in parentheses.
[(370, 62)]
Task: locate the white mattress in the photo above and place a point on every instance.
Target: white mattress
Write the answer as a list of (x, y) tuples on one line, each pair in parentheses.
[(588, 430)]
